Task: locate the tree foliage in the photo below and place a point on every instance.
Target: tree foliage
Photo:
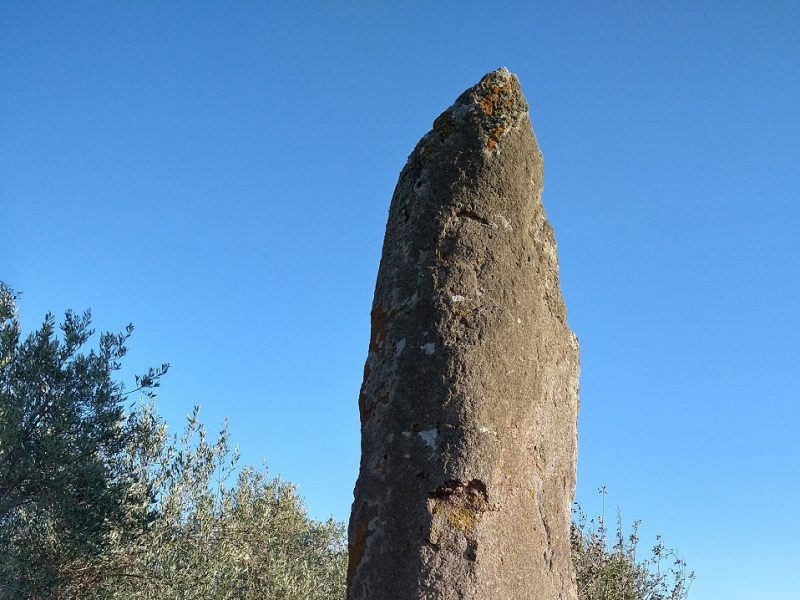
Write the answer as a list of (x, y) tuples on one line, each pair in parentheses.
[(63, 438), (97, 501), (221, 532)]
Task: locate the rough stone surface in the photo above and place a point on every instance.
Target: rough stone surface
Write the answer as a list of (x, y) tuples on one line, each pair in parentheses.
[(470, 395)]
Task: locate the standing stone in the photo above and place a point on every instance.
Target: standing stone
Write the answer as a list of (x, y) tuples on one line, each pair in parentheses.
[(470, 395)]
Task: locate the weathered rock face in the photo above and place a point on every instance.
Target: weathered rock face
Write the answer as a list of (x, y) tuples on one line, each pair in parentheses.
[(470, 393)]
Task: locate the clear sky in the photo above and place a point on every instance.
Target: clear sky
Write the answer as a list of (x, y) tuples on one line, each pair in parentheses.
[(219, 173)]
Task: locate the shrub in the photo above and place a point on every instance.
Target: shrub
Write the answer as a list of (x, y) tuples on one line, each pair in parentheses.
[(615, 571)]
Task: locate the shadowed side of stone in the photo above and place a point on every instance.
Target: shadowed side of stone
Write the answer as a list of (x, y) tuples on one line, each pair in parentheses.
[(470, 394)]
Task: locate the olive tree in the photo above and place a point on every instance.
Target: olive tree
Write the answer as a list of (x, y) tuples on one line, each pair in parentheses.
[(64, 435), (98, 501), (221, 531)]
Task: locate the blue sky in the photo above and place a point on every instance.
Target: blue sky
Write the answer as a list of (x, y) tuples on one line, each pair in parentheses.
[(220, 174)]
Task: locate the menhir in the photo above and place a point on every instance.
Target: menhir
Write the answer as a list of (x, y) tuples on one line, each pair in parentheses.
[(470, 395)]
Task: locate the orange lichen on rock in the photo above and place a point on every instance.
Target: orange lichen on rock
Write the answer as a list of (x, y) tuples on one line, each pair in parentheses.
[(498, 96), (378, 317), (356, 549), (443, 125), (366, 408), (494, 137)]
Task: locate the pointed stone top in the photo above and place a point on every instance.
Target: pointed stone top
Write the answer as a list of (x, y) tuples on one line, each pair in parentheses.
[(489, 109), (497, 95)]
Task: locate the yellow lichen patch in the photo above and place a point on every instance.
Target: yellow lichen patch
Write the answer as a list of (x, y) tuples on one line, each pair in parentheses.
[(491, 143), (463, 519), (461, 504)]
